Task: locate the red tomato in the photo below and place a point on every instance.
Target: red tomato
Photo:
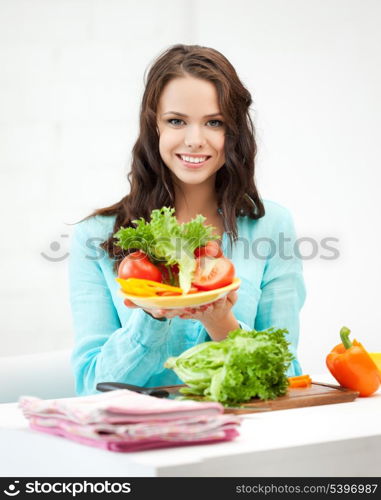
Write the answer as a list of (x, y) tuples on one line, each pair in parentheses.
[(211, 249), (213, 273), (137, 265)]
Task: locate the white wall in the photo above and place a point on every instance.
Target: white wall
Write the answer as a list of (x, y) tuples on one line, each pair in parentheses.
[(71, 76)]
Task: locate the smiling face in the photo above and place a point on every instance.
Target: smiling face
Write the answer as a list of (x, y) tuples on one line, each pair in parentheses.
[(191, 130)]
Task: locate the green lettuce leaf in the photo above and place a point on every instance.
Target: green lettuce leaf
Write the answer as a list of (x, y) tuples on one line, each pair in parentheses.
[(246, 364), (168, 242)]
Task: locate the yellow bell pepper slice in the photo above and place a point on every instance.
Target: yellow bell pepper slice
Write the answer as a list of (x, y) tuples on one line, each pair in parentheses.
[(145, 288)]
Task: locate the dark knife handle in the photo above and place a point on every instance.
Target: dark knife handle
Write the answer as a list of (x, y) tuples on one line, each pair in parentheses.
[(112, 386)]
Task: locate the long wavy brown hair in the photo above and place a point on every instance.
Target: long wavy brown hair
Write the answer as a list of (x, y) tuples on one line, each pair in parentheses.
[(150, 181)]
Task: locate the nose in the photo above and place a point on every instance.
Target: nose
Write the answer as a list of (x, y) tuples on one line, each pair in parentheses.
[(194, 137)]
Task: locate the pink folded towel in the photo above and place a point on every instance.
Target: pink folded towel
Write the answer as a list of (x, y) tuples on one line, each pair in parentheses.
[(123, 420), (117, 406)]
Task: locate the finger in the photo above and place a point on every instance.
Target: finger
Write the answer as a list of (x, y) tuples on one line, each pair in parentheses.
[(219, 301), (166, 313), (204, 307), (156, 313), (129, 303), (151, 312), (233, 297), (186, 312), (185, 316)]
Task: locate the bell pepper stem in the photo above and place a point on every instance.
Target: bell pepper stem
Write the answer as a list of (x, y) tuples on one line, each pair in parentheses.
[(344, 334)]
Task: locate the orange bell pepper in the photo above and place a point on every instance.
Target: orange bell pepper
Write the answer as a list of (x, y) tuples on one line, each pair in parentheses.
[(352, 366)]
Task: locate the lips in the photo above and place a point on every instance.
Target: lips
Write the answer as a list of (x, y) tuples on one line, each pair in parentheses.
[(179, 155), (193, 155), (192, 164)]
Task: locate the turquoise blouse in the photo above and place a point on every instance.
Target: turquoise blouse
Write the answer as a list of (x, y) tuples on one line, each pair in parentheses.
[(114, 343)]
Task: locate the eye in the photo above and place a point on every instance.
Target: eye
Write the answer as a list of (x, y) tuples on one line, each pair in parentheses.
[(174, 120), (218, 122)]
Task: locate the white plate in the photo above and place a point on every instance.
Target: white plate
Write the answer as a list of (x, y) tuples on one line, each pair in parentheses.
[(180, 301)]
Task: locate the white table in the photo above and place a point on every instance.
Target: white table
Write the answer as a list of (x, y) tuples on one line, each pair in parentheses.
[(331, 440)]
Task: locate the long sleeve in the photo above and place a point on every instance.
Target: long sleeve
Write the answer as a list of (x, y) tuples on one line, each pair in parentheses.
[(283, 290), (106, 350)]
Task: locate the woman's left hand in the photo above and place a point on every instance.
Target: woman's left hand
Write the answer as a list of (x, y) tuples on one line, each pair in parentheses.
[(212, 313)]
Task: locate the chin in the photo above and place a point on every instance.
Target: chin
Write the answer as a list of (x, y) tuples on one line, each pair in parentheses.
[(192, 177)]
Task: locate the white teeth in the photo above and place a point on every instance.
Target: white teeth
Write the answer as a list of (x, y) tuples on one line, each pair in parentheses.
[(192, 159)]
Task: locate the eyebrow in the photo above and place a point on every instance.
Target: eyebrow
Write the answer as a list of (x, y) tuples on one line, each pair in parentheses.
[(186, 116)]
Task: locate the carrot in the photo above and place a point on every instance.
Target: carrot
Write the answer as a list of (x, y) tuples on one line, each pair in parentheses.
[(299, 381), (167, 293)]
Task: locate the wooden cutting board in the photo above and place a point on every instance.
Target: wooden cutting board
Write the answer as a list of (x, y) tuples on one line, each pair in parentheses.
[(315, 395)]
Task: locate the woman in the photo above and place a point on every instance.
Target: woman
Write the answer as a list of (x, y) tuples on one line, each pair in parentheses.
[(195, 152)]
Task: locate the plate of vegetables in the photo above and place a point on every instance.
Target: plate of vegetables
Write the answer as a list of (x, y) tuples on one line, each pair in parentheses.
[(172, 265)]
